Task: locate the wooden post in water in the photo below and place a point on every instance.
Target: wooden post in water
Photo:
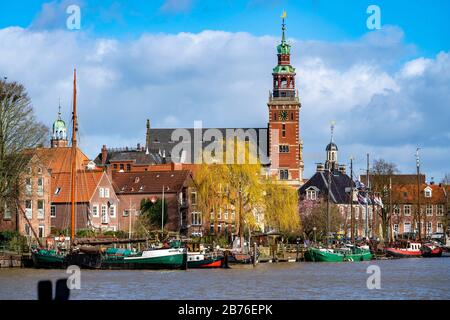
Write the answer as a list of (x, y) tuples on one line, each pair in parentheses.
[(254, 254)]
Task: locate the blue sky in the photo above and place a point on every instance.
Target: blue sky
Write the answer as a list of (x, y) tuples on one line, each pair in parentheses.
[(388, 90)]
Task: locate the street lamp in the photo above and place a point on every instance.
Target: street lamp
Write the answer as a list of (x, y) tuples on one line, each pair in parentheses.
[(314, 229)]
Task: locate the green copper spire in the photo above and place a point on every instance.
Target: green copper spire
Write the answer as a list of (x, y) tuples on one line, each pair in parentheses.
[(283, 48)]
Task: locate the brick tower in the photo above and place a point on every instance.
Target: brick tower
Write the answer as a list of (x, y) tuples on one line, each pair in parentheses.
[(285, 147)]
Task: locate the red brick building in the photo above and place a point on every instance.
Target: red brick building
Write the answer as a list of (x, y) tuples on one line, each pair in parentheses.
[(179, 197)]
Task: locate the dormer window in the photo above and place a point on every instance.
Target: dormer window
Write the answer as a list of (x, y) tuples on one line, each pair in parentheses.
[(428, 193), (311, 193), (57, 190)]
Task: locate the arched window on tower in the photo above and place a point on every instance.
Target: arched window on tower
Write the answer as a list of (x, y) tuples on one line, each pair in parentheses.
[(283, 82)]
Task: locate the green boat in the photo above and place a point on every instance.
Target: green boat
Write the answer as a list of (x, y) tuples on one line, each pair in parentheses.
[(337, 255), (172, 258), (50, 259)]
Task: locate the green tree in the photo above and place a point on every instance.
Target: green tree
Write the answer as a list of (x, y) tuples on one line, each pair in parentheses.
[(316, 217), (151, 213)]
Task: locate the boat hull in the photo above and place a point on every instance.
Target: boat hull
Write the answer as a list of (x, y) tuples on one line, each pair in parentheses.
[(431, 252), (399, 253), (177, 259), (318, 255), (212, 262), (42, 260)]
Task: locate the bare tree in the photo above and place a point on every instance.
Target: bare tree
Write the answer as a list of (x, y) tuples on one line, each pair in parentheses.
[(382, 172), (19, 131)]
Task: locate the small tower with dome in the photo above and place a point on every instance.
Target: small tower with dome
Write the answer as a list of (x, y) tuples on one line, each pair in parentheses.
[(59, 133)]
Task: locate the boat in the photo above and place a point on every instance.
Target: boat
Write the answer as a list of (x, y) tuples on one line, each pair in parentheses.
[(49, 259), (174, 257), (204, 260), (409, 250), (431, 250), (314, 254)]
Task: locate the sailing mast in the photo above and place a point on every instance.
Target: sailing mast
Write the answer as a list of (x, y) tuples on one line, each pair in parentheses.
[(73, 157)]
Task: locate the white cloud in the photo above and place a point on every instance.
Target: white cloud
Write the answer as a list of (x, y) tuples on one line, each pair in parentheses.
[(223, 79)]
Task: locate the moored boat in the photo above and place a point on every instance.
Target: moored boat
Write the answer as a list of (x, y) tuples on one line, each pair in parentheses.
[(202, 260), (323, 255), (430, 250), (410, 250)]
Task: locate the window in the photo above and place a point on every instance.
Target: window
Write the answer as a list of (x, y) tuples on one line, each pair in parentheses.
[(28, 187), (407, 210), (41, 231), (429, 210), (292, 116), (219, 214), (128, 167), (126, 213), (95, 210), (29, 170), (27, 230), (40, 186), (429, 227), (40, 209), (396, 210), (104, 214), (7, 213), (196, 218), (311, 194), (106, 192), (28, 209), (275, 116), (219, 228), (225, 215), (121, 166), (112, 211), (211, 229), (57, 190), (407, 227), (283, 130), (428, 192), (233, 215), (284, 174), (440, 227), (115, 166), (212, 216), (440, 210), (53, 211), (39, 170), (101, 192), (396, 228), (284, 148), (194, 198)]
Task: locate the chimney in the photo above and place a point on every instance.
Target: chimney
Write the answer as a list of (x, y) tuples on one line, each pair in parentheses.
[(138, 148), (342, 168), (147, 136), (320, 167), (104, 154)]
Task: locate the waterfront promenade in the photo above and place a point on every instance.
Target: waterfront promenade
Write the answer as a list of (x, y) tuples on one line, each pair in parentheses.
[(400, 279)]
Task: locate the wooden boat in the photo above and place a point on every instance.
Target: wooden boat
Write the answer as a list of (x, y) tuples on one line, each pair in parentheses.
[(203, 260), (172, 258), (410, 250), (314, 254), (430, 250)]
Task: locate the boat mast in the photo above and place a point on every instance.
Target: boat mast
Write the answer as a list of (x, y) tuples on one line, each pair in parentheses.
[(352, 218), (367, 199), (418, 194), (73, 157)]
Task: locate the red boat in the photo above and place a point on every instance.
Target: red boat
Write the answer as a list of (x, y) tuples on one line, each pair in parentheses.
[(201, 260), (410, 250), (431, 250)]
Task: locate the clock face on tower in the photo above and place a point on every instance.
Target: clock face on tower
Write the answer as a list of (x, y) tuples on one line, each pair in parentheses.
[(283, 115)]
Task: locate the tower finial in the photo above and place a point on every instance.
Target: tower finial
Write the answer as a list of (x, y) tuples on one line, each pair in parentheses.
[(332, 129), (59, 109), (283, 27)]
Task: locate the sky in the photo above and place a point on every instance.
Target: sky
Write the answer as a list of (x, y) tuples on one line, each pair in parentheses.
[(177, 61)]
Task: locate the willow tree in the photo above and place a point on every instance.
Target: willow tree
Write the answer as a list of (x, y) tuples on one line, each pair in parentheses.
[(19, 130), (281, 207), (237, 181)]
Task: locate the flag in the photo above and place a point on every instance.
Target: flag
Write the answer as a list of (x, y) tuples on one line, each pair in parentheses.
[(284, 14)]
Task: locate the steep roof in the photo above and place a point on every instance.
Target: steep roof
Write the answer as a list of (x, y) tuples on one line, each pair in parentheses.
[(161, 139), (85, 185), (339, 181), (59, 159), (395, 178), (138, 157), (407, 193), (149, 181)]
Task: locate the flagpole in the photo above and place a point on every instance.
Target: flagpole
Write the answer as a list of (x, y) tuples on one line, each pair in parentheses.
[(367, 199)]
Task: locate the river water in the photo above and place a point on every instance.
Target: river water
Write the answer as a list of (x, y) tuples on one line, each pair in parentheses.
[(400, 279)]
